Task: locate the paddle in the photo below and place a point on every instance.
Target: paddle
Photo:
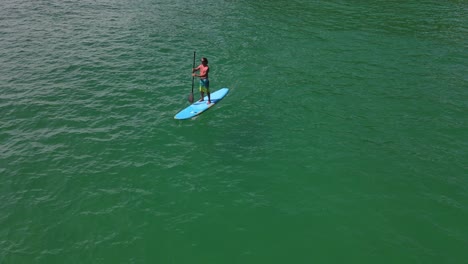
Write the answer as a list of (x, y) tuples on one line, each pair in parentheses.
[(190, 98)]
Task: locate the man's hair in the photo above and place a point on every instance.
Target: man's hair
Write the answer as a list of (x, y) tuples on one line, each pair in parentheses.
[(205, 59)]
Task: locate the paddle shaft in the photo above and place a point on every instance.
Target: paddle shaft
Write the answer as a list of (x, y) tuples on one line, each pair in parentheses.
[(193, 77)]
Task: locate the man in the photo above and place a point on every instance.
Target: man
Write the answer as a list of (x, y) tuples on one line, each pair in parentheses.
[(204, 81)]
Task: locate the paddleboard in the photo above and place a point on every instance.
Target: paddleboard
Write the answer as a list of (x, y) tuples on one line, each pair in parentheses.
[(200, 107)]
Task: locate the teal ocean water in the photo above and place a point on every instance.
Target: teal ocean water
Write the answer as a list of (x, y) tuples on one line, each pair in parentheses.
[(344, 138)]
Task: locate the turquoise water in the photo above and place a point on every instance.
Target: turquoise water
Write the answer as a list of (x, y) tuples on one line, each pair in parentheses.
[(343, 138)]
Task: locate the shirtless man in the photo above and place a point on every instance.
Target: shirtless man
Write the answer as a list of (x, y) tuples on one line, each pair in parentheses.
[(204, 81)]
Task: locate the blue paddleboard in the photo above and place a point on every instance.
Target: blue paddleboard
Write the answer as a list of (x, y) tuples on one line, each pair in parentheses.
[(200, 107)]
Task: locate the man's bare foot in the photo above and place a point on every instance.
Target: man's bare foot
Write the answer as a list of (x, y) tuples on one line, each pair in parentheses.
[(209, 102)]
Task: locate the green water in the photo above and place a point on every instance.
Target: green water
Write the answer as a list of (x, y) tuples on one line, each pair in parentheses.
[(343, 138)]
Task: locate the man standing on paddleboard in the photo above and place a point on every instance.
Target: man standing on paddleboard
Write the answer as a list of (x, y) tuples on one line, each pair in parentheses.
[(204, 82)]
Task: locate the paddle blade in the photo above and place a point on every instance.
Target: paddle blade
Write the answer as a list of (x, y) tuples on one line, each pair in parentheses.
[(190, 98)]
